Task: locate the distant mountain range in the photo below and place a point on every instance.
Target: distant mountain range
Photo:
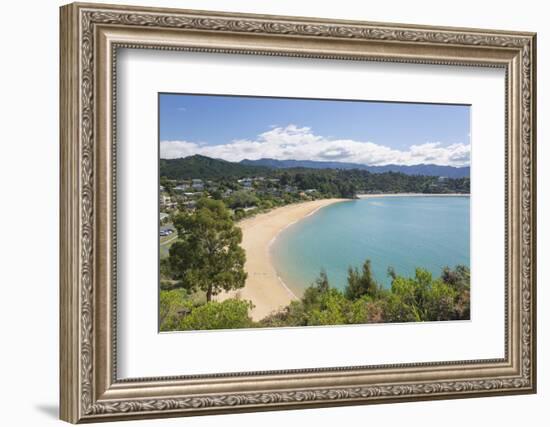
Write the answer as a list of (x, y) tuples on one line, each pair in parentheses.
[(421, 169), (198, 166)]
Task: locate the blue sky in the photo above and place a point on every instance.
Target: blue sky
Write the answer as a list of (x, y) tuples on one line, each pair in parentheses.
[(233, 128)]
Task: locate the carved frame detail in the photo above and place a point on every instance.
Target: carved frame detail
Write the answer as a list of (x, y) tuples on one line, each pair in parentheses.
[(81, 400)]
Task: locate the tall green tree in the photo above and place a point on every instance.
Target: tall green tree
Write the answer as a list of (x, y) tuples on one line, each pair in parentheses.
[(361, 283), (315, 290), (207, 255)]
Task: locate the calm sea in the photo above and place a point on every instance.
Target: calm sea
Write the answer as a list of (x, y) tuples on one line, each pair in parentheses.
[(402, 232)]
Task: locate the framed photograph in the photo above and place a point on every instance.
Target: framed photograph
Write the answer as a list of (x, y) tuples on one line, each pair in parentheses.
[(266, 212)]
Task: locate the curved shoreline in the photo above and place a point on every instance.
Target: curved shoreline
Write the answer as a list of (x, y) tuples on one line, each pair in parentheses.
[(263, 286)]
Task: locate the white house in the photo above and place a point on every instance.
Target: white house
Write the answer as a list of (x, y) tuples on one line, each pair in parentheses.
[(197, 184), (181, 187)]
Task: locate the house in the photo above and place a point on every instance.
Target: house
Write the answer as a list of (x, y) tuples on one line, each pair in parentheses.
[(290, 189), (166, 201), (190, 204), (197, 184), (181, 187), (246, 182)]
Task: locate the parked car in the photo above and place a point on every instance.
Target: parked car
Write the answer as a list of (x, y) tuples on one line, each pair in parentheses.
[(166, 232)]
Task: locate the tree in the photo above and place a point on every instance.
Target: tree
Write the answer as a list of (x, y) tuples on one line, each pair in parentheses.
[(410, 296), (360, 284), (242, 199), (314, 291), (173, 305), (285, 178), (228, 314), (294, 314), (322, 283), (459, 280), (332, 310), (440, 302), (216, 194), (392, 274), (367, 310), (168, 185), (207, 255)]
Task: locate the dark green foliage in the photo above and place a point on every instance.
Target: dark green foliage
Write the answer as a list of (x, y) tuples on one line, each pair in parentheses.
[(410, 299), (242, 199), (293, 314), (173, 305), (178, 313), (168, 185), (360, 284), (228, 314), (207, 254), (206, 168), (459, 279), (421, 169)]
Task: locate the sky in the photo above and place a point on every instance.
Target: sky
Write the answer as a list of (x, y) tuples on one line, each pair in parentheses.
[(234, 128)]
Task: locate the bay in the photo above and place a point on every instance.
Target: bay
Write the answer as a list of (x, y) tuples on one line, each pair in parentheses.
[(404, 232)]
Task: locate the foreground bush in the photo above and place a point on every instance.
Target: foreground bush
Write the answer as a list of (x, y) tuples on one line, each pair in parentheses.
[(178, 313), (409, 299)]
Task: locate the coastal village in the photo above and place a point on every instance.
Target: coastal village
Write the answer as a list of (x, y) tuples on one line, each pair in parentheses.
[(240, 195), (248, 194)]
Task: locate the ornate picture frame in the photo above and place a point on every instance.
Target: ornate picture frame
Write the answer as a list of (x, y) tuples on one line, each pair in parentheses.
[(90, 37)]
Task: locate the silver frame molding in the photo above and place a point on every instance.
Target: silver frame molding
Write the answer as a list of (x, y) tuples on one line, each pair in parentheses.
[(90, 37)]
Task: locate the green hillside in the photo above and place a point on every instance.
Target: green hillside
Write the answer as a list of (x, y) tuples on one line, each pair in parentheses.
[(207, 168)]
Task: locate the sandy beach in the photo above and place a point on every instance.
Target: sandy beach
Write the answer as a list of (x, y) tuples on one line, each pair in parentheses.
[(263, 287)]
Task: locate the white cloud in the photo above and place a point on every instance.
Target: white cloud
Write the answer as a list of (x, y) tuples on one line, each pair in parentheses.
[(300, 143)]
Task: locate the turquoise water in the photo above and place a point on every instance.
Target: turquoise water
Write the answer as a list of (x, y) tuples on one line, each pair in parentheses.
[(402, 232)]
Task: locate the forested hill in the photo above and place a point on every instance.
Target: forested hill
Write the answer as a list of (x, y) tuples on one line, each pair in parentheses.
[(421, 169), (335, 182), (207, 168)]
